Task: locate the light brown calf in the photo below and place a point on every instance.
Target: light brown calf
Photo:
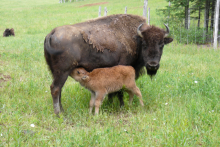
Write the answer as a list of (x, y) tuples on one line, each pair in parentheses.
[(102, 81)]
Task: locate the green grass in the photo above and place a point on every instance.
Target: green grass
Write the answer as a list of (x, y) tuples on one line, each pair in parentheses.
[(177, 111)]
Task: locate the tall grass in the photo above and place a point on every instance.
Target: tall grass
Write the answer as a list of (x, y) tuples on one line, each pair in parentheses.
[(182, 105)]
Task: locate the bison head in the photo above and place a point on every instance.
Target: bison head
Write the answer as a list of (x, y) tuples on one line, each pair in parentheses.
[(153, 41)]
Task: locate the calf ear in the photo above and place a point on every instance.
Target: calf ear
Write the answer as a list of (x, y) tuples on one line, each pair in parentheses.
[(167, 40), (85, 77)]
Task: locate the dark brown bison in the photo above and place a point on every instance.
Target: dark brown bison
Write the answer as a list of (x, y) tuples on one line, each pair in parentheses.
[(8, 32), (104, 42)]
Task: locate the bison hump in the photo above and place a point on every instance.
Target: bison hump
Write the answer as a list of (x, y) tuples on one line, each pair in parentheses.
[(112, 32)]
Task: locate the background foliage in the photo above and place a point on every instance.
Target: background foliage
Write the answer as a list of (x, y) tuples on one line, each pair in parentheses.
[(201, 18)]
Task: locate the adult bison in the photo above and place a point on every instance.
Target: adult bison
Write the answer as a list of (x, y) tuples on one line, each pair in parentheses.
[(104, 42)]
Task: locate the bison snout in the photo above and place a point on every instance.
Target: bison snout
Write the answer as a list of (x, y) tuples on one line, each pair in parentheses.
[(153, 66)]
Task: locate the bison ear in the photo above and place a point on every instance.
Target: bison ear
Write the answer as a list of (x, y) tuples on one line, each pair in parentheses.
[(85, 77), (167, 40)]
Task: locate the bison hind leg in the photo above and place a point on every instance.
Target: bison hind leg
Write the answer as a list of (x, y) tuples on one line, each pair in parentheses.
[(119, 94), (56, 88)]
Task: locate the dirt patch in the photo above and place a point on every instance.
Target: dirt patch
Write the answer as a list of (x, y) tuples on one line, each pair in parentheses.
[(4, 78), (94, 4)]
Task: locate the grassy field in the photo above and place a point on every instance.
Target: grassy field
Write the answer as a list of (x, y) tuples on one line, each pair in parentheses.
[(182, 102)]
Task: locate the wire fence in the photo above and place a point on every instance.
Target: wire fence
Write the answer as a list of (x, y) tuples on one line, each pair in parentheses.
[(194, 34)]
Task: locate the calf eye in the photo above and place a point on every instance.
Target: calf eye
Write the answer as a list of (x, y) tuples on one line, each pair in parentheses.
[(78, 72)]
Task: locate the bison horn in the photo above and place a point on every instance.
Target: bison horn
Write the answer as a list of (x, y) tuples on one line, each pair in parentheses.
[(138, 30), (167, 32)]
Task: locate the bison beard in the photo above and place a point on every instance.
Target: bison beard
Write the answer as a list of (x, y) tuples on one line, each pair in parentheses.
[(151, 72), (121, 39)]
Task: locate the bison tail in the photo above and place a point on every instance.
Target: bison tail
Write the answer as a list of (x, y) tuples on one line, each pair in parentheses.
[(50, 49)]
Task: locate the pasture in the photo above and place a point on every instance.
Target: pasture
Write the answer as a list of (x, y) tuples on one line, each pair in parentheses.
[(182, 102)]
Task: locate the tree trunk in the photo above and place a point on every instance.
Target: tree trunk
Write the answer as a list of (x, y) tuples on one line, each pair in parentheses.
[(212, 14), (219, 22), (187, 15), (199, 17), (215, 34), (206, 21)]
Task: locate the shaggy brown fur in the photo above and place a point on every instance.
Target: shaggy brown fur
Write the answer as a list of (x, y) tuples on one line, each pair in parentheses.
[(153, 34), (102, 81), (8, 32), (103, 32)]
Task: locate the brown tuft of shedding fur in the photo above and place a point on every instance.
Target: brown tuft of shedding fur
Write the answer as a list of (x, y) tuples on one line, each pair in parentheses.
[(104, 32), (153, 34), (9, 32), (102, 81)]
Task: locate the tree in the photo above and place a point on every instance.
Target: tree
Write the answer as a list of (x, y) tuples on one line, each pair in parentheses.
[(206, 15), (186, 5), (212, 5), (176, 10), (216, 23)]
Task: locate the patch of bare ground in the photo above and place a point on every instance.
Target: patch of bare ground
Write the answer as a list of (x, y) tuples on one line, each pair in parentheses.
[(94, 4), (4, 78)]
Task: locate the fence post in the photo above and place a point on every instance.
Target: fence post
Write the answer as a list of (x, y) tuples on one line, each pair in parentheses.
[(149, 16), (145, 8), (99, 11), (126, 10), (168, 14), (105, 14), (215, 34)]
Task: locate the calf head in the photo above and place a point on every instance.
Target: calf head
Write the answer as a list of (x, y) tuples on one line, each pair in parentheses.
[(80, 74), (153, 41)]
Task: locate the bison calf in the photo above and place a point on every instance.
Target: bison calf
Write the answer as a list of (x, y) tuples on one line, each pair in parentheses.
[(102, 81), (8, 32)]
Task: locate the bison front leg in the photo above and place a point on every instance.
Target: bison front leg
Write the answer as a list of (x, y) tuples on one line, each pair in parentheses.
[(56, 88)]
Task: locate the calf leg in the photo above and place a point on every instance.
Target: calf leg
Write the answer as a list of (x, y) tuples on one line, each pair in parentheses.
[(99, 98), (56, 87), (135, 90), (131, 96)]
